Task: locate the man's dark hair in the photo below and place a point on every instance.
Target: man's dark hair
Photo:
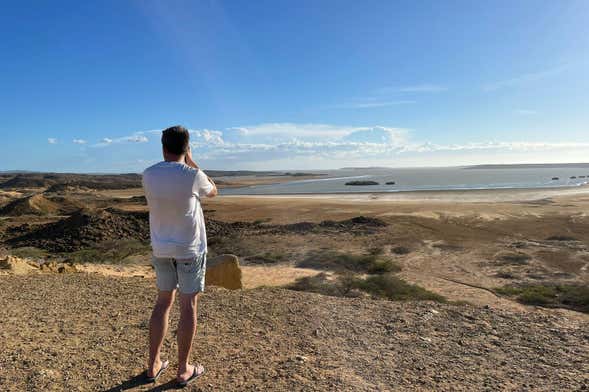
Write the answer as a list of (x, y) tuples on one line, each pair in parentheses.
[(175, 140)]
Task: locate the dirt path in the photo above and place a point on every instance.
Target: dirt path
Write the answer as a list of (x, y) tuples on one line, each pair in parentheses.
[(85, 332), (253, 276)]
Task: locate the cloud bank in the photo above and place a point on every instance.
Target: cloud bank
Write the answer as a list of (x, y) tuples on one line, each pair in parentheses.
[(276, 146)]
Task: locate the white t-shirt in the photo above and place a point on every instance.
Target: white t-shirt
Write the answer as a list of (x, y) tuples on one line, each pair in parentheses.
[(176, 222)]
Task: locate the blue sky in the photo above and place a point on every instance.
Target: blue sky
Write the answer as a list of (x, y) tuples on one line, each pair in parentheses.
[(87, 86)]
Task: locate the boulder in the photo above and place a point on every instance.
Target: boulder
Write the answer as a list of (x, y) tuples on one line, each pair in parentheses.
[(224, 271)]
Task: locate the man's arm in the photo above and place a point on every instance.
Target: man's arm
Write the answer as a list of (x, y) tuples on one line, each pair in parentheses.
[(190, 162)]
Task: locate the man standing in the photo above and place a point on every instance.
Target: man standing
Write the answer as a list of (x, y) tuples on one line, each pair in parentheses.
[(174, 189)]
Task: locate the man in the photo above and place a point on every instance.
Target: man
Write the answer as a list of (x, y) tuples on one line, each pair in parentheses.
[(174, 189)]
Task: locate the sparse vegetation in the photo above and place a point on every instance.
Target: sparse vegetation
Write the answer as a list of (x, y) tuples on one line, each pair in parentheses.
[(108, 252), (505, 275), (574, 297), (448, 247), (395, 289), (376, 251), (385, 286), (262, 221), (29, 252), (400, 250), (336, 261), (267, 258), (514, 258), (561, 238)]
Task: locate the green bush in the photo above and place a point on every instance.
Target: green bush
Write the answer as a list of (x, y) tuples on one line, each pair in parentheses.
[(385, 286), (400, 250), (29, 252), (395, 289), (574, 297), (336, 261), (108, 252), (266, 258), (319, 284), (515, 258)]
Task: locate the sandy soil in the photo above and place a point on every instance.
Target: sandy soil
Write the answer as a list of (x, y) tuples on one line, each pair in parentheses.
[(455, 246), (253, 276), (84, 332)]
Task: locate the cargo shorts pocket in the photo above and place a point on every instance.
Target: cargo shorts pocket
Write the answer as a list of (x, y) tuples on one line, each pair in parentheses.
[(188, 267), (191, 274)]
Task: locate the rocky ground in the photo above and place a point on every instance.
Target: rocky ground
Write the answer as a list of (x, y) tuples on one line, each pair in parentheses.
[(84, 332), (61, 330)]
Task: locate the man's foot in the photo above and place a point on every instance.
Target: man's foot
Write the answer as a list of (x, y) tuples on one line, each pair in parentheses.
[(156, 370), (191, 373)]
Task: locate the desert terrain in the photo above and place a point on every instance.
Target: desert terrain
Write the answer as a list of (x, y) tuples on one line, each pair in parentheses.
[(466, 290)]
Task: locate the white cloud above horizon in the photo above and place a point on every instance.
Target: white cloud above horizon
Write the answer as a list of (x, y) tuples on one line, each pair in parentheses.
[(264, 146), (79, 141), (52, 140), (137, 137)]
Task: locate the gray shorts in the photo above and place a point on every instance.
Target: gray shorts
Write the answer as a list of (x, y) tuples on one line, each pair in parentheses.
[(188, 275)]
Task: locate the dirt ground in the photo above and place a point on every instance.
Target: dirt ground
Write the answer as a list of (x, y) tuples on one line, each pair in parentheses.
[(85, 332)]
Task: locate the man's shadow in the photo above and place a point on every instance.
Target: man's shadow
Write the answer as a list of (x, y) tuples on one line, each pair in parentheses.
[(139, 380)]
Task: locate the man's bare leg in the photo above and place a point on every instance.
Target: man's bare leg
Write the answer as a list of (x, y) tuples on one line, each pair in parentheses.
[(158, 326), (186, 331)]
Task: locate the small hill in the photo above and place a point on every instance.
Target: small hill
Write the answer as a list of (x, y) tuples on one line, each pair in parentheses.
[(28, 181), (86, 228), (30, 205), (39, 204), (59, 181)]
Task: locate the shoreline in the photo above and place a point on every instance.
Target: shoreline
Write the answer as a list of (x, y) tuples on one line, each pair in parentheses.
[(449, 195)]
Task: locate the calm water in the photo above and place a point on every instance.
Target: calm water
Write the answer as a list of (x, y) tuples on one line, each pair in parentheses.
[(424, 179)]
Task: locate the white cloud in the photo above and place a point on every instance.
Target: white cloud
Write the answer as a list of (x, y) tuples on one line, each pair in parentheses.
[(52, 140), (382, 135), (349, 150), (284, 141), (264, 146), (136, 139), (525, 78), (206, 136), (293, 130), (79, 141)]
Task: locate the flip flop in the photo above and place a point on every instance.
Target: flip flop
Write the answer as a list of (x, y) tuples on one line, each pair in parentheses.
[(165, 365), (194, 376)]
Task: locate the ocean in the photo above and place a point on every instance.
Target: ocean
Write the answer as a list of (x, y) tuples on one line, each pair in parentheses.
[(424, 179)]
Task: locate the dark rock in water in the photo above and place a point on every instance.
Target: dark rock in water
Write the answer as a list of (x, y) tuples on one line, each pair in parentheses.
[(573, 177), (555, 178), (391, 183), (581, 176), (355, 183)]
